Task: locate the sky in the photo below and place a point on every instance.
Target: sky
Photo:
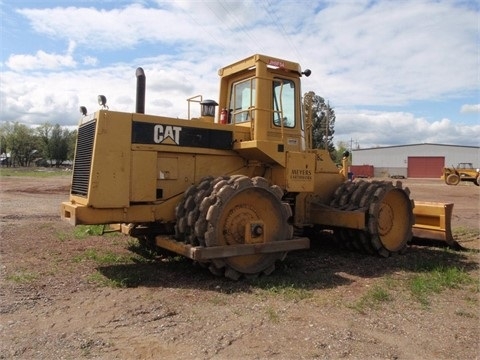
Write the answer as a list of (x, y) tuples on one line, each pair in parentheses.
[(395, 72)]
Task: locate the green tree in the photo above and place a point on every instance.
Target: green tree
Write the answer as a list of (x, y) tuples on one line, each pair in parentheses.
[(342, 146), (323, 122), (44, 133), (6, 130), (21, 143), (56, 143), (72, 142), (59, 145), (50, 142)]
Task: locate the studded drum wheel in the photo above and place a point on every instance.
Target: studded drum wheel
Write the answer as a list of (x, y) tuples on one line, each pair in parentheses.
[(244, 210), (389, 216)]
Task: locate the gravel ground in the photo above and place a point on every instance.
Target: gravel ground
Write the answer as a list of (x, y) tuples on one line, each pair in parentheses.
[(65, 295)]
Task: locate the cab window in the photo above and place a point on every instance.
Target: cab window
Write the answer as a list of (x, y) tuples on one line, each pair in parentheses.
[(242, 101), (284, 103)]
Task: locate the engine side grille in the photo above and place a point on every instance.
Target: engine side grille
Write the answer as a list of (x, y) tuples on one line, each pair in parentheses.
[(83, 158)]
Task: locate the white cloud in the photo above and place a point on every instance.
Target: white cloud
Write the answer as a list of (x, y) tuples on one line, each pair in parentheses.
[(362, 54), (111, 29), (380, 128), (385, 54), (56, 96), (90, 61), (470, 108), (41, 60)]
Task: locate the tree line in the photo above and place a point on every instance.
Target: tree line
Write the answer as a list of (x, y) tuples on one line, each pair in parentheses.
[(45, 145)]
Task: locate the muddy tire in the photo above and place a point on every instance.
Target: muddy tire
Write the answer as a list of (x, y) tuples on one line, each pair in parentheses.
[(226, 214), (452, 179), (389, 216)]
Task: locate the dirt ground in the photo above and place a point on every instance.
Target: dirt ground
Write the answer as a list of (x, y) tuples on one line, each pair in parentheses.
[(66, 296)]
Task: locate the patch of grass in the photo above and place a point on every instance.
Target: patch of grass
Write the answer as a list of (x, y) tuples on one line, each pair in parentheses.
[(146, 252), (22, 277), (84, 231), (433, 279), (288, 290), (462, 231), (63, 236), (219, 300), (107, 258), (117, 270), (125, 275), (273, 315), (34, 172), (465, 234), (372, 299), (102, 280), (473, 300)]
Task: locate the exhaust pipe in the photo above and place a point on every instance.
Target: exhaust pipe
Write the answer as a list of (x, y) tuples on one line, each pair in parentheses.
[(141, 81)]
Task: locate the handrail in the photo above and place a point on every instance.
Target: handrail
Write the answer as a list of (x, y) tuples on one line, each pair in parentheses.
[(192, 100)]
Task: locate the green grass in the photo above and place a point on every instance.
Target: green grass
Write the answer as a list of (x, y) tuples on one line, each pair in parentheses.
[(433, 279), (115, 269), (34, 172), (84, 231), (465, 233), (219, 300), (22, 277), (427, 280), (63, 236), (372, 299), (273, 315), (106, 258), (102, 280), (290, 291)]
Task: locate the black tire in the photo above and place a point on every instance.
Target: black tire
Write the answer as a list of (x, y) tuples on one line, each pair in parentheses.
[(225, 214), (389, 217), (452, 179)]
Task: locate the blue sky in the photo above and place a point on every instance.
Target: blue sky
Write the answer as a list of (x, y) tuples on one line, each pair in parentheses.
[(396, 72)]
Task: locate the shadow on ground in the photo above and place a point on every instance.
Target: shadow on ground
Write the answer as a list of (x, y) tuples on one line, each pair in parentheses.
[(320, 267)]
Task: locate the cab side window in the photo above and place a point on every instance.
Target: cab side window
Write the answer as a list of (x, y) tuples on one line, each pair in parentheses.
[(242, 100), (284, 103)]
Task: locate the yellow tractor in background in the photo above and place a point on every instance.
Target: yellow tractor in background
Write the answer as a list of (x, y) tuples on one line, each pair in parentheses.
[(238, 191), (463, 172)]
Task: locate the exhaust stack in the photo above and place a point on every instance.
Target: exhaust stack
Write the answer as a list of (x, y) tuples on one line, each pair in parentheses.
[(141, 81)]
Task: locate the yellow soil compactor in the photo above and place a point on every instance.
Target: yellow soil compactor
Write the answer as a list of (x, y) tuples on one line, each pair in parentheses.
[(238, 191)]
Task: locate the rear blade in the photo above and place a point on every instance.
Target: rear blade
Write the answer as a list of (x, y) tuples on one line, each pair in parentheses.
[(433, 221)]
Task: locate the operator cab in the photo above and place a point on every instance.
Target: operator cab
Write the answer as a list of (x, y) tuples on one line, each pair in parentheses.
[(262, 97), (242, 102)]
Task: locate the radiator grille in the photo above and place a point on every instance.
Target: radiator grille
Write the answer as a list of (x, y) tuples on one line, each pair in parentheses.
[(83, 159)]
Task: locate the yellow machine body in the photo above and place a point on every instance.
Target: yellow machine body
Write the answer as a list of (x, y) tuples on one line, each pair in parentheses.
[(234, 187)]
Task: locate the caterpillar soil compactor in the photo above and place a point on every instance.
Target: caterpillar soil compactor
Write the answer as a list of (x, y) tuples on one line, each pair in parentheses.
[(239, 191)]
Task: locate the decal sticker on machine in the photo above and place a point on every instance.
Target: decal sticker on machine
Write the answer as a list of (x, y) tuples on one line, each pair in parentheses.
[(164, 134), (301, 175), (167, 134)]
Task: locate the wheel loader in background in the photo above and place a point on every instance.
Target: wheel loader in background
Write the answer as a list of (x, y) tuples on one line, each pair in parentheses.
[(238, 192), (463, 172)]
